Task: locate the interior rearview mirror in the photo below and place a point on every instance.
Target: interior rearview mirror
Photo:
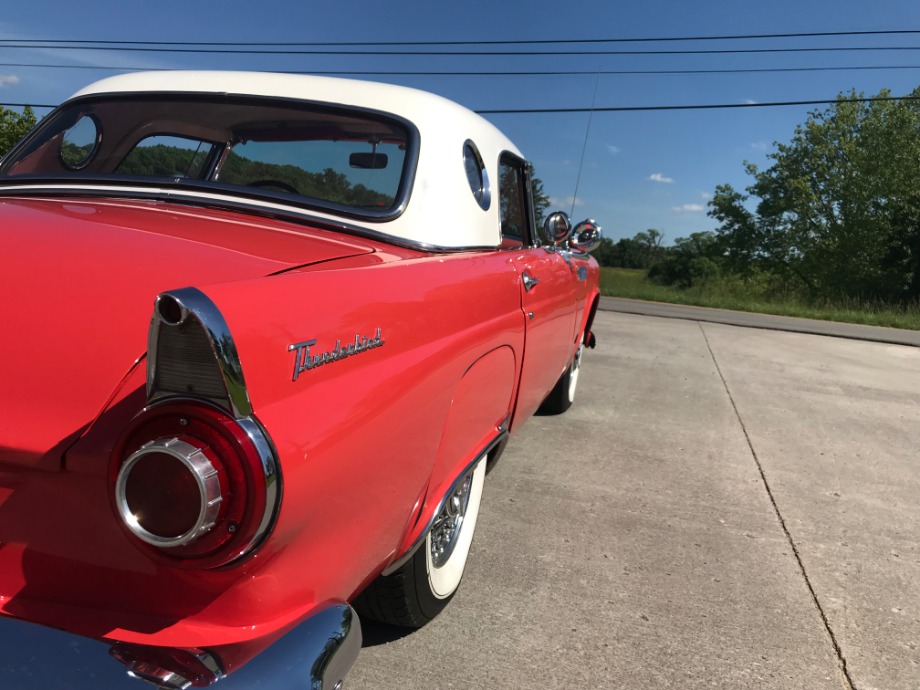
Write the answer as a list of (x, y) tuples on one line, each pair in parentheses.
[(368, 161)]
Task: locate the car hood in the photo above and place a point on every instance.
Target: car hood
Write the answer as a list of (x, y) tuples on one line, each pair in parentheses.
[(79, 279)]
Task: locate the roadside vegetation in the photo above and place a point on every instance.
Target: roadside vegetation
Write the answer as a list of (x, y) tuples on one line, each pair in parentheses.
[(633, 283), (830, 230)]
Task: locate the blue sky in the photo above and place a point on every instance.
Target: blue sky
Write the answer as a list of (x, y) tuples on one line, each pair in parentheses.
[(641, 170)]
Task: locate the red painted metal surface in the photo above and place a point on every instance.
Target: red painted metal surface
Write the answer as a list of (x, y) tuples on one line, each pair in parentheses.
[(82, 277), (367, 444)]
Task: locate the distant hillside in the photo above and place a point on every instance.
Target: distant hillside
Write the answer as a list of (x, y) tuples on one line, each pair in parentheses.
[(329, 185)]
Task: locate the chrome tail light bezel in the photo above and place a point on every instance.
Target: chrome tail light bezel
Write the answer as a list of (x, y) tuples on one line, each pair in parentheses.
[(250, 495), (198, 411)]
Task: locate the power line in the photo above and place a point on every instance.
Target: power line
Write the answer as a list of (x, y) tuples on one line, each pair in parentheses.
[(556, 41), (630, 108), (712, 106), (466, 53), (507, 73)]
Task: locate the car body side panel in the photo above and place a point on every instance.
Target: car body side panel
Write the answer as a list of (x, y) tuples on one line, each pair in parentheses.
[(376, 431), (363, 431), (581, 271), (550, 323), (480, 407), (85, 275), (479, 412), (588, 294)]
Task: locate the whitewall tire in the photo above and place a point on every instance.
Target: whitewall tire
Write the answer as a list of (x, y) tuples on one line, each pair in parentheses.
[(562, 396)]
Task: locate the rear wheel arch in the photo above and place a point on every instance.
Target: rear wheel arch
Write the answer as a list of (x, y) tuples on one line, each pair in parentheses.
[(420, 583), (586, 334), (481, 406)]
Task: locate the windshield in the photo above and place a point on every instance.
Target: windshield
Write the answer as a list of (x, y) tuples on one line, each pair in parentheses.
[(301, 152)]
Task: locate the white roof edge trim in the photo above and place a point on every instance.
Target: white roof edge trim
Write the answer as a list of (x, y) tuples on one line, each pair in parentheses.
[(441, 211)]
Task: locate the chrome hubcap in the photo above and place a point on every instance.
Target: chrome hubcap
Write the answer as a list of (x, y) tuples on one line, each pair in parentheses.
[(446, 528)]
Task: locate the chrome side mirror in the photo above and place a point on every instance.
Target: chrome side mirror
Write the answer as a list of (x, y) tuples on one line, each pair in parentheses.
[(586, 236), (556, 228)]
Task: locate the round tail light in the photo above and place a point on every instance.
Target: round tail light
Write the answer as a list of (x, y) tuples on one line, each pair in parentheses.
[(194, 485), (168, 492)]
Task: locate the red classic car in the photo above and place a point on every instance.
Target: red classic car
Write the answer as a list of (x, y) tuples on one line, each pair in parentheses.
[(352, 310)]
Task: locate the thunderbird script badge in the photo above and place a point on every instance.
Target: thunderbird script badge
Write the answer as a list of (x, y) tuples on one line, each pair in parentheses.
[(304, 360)]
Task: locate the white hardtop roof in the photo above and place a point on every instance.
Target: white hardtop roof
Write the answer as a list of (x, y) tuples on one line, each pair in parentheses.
[(441, 211)]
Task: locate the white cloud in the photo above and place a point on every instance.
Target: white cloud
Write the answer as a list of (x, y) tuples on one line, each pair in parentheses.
[(749, 101), (658, 177), (759, 146), (706, 196), (9, 80), (565, 202), (689, 208), (614, 150)]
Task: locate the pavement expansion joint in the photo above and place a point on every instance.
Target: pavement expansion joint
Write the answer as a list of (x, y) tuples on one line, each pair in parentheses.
[(841, 660)]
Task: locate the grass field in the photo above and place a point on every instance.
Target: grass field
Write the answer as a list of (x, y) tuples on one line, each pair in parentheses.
[(632, 283)]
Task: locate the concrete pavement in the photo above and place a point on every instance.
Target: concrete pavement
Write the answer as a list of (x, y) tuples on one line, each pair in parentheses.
[(722, 508)]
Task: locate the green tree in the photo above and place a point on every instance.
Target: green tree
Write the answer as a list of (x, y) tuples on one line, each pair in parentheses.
[(14, 126), (606, 252), (838, 205), (739, 232), (643, 250), (693, 260), (540, 199), (650, 246)]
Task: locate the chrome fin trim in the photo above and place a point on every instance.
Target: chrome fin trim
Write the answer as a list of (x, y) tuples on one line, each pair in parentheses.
[(193, 307)]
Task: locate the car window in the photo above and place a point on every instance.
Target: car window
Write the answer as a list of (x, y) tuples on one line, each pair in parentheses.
[(166, 156), (316, 155), (355, 173), (513, 202)]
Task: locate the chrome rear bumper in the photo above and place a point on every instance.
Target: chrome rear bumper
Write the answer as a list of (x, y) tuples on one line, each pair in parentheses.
[(316, 654)]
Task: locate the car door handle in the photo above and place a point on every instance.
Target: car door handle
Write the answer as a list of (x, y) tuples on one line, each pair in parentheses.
[(529, 281)]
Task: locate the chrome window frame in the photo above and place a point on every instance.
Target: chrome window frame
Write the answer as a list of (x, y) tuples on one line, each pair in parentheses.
[(400, 201)]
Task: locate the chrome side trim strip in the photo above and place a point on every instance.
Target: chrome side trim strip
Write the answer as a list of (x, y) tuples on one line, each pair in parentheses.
[(194, 304), (14, 187), (500, 438)]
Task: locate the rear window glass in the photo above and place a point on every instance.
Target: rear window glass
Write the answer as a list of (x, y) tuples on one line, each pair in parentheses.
[(304, 152)]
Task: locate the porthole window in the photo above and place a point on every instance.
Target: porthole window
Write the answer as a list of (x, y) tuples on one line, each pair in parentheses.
[(79, 143), (476, 175)]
